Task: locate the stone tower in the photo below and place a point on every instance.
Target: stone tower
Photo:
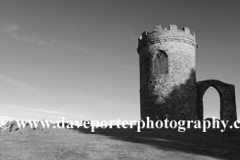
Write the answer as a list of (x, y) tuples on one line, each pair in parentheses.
[(167, 73)]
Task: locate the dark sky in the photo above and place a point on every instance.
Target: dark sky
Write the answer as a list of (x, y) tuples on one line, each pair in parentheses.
[(78, 58)]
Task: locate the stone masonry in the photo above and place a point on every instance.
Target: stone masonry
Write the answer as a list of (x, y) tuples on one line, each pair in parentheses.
[(227, 98), (171, 94), (168, 87)]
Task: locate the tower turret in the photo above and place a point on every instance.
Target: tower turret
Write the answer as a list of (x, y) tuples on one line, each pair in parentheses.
[(167, 73)]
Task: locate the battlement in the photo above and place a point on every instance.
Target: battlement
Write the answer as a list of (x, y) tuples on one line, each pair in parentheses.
[(171, 33)]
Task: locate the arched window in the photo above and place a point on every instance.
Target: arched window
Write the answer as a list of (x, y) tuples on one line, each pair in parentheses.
[(160, 63)]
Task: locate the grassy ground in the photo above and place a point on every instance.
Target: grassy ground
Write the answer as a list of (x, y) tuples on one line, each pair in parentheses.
[(77, 144)]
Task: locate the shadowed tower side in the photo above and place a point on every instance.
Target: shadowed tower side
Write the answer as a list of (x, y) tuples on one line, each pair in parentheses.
[(167, 73)]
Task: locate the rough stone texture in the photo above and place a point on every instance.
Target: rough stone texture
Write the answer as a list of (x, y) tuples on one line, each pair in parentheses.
[(27, 127), (12, 126), (227, 98), (9, 127), (172, 95)]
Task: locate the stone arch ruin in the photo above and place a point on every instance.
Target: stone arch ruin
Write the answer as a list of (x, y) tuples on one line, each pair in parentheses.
[(168, 86), (227, 98)]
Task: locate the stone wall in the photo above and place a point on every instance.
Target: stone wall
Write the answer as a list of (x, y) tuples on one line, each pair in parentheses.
[(227, 98), (171, 95)]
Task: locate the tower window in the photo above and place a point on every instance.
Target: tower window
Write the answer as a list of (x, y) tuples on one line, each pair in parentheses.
[(160, 63)]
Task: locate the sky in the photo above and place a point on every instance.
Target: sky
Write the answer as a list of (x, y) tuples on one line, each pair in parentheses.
[(78, 59)]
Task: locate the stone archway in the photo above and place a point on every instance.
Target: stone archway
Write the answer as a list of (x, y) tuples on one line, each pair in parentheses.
[(227, 98)]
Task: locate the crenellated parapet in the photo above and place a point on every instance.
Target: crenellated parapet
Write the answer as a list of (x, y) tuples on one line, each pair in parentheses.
[(170, 34), (168, 73)]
